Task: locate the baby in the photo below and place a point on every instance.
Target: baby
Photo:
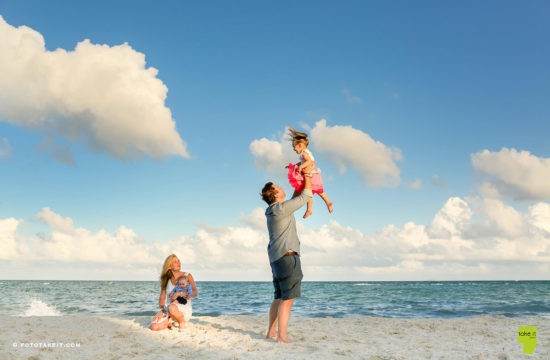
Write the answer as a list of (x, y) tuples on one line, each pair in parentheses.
[(182, 286)]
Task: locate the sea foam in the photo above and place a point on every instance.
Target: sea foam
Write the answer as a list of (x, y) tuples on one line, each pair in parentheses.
[(39, 308)]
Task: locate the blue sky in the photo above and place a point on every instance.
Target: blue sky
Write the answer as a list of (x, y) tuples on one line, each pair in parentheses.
[(438, 81)]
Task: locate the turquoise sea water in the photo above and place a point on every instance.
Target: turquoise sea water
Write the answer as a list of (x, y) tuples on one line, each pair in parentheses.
[(426, 299)]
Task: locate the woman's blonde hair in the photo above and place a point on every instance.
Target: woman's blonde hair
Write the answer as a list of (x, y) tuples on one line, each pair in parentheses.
[(166, 272), (298, 137)]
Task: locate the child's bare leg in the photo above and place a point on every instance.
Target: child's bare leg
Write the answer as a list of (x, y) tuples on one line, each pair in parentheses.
[(327, 201), (308, 211)]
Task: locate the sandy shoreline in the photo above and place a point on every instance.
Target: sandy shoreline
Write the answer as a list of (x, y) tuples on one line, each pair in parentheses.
[(242, 337)]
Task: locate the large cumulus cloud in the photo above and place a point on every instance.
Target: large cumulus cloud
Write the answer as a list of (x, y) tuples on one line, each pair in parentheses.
[(102, 95)]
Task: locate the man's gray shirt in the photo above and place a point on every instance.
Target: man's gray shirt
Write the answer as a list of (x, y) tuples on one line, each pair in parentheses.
[(282, 225)]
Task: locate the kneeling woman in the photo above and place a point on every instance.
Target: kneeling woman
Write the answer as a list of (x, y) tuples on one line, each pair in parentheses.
[(171, 309)]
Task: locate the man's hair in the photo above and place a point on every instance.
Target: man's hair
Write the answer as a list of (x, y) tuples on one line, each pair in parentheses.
[(268, 193)]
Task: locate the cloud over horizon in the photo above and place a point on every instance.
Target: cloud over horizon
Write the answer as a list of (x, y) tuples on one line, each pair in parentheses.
[(102, 95), (477, 237)]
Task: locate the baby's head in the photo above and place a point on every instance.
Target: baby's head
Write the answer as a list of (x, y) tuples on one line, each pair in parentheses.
[(182, 281)]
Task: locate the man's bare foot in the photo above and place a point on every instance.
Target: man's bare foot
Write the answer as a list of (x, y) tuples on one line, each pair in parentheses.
[(182, 325), (284, 340), (308, 212), (329, 206)]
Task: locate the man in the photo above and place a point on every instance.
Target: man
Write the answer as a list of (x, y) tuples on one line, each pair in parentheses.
[(284, 253)]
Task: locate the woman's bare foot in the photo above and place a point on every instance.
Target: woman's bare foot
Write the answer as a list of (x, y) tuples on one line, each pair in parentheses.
[(271, 336), (284, 340), (329, 206), (308, 212), (182, 325)]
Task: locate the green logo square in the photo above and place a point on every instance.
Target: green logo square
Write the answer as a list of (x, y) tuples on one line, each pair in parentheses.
[(527, 335)]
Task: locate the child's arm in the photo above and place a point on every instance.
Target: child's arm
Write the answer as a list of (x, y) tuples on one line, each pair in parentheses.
[(173, 294)]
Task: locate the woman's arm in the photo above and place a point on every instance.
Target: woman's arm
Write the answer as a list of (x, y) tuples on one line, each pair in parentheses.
[(193, 286), (162, 298)]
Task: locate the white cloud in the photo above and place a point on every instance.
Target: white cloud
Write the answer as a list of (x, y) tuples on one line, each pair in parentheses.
[(5, 149), (342, 145), (103, 95), (67, 243), (498, 219), (538, 216), (56, 222), (346, 146), (10, 244), (475, 239), (272, 155), (517, 174), (256, 220), (212, 251), (451, 220)]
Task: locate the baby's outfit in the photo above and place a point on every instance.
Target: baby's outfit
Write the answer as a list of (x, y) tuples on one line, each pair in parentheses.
[(296, 179), (186, 289)]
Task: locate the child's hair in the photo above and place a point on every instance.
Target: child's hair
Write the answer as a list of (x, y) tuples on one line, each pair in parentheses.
[(298, 137), (183, 277)]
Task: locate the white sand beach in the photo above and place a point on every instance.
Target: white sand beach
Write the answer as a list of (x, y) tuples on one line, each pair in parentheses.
[(242, 337)]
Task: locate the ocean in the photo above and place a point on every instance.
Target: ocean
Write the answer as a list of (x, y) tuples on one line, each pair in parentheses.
[(423, 299)]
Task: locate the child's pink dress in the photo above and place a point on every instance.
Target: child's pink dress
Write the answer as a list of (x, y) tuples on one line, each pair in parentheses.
[(297, 180)]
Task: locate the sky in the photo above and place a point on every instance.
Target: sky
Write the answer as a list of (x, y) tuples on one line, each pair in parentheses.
[(131, 130)]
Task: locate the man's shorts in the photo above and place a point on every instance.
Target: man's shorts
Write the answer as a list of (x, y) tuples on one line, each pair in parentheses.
[(287, 277)]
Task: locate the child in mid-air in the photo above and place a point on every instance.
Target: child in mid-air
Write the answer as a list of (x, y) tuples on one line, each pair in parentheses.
[(307, 162)]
